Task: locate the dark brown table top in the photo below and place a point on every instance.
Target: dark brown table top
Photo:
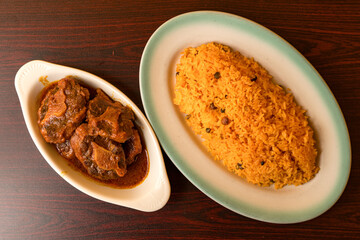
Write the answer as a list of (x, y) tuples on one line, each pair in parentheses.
[(107, 39)]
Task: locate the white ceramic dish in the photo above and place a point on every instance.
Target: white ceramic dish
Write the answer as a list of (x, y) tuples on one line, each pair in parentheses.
[(290, 69), (151, 195)]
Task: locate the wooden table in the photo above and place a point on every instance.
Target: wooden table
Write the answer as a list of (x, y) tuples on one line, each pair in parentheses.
[(107, 39)]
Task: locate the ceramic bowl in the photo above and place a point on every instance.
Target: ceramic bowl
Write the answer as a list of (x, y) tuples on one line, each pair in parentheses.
[(151, 195)]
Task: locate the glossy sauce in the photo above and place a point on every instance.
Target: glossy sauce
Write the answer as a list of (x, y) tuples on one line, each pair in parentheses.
[(136, 172)]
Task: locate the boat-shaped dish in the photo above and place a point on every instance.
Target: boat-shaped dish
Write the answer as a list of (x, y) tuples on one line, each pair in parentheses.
[(150, 195)]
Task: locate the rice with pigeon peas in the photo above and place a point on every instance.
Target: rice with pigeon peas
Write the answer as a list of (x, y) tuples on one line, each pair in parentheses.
[(247, 122)]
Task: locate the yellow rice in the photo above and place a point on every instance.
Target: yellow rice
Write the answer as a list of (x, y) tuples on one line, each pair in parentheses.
[(265, 137)]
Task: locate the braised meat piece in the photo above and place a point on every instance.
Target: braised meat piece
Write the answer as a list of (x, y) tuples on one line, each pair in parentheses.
[(65, 149), (132, 147), (102, 157), (110, 119), (62, 110)]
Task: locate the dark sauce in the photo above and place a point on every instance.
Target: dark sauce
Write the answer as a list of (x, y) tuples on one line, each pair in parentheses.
[(136, 172)]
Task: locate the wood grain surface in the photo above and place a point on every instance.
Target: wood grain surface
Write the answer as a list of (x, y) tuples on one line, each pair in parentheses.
[(107, 38)]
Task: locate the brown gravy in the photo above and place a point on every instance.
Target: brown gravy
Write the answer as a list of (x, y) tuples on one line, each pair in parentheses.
[(136, 172)]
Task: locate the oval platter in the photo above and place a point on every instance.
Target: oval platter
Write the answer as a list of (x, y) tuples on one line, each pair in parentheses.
[(290, 69)]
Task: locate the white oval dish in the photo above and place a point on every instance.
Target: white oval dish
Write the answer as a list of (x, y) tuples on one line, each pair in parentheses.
[(289, 68), (151, 195)]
